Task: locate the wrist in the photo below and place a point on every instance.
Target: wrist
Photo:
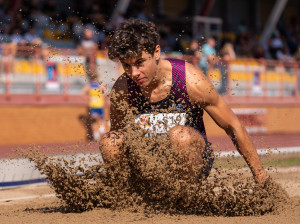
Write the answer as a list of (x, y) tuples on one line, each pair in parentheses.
[(261, 176)]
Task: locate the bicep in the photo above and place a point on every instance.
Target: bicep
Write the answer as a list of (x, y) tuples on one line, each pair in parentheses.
[(118, 110), (119, 104), (115, 117), (203, 93)]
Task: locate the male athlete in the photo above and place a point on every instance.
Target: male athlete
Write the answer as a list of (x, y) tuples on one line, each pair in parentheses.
[(170, 91)]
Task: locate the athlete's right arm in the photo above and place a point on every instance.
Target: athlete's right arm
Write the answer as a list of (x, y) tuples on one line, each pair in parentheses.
[(119, 104)]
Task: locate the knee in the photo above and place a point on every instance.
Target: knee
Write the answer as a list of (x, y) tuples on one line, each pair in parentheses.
[(110, 145), (185, 136)]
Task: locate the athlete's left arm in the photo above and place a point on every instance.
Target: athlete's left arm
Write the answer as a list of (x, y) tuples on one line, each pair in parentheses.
[(201, 91)]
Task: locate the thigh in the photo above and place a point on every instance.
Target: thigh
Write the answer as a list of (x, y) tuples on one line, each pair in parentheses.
[(101, 113), (97, 113), (185, 137)]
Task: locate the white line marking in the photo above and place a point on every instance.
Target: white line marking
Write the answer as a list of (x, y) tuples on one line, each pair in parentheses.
[(27, 197), (270, 151)]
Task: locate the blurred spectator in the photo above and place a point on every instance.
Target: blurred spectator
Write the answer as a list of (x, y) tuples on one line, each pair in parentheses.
[(259, 52), (7, 59), (276, 45), (97, 101), (17, 38), (228, 49), (193, 51), (227, 55), (88, 48), (77, 26), (208, 55), (32, 38), (244, 44), (193, 48), (284, 55), (4, 36), (292, 44)]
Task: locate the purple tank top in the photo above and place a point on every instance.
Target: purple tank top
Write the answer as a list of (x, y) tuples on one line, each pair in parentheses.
[(178, 99)]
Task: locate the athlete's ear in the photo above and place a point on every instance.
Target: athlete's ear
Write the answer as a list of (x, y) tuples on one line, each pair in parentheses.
[(157, 53)]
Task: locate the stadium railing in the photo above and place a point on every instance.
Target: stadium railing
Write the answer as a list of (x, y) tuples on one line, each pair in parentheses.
[(41, 75)]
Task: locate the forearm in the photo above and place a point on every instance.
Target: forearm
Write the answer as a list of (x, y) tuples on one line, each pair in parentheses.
[(246, 148)]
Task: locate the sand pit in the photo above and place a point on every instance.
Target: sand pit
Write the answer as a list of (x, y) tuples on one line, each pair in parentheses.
[(150, 184), (46, 208)]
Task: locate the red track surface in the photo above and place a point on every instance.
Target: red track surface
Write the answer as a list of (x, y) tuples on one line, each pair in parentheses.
[(219, 144), (35, 99), (42, 99)]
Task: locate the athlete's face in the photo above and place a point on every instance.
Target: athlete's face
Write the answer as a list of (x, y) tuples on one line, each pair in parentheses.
[(142, 70)]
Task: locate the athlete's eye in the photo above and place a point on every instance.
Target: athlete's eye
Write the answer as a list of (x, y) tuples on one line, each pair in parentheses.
[(139, 63), (126, 66)]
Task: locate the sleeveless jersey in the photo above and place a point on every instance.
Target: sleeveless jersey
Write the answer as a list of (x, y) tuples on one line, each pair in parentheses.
[(176, 109), (96, 97)]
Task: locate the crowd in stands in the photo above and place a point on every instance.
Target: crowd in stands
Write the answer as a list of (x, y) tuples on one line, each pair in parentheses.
[(283, 44), (37, 22)]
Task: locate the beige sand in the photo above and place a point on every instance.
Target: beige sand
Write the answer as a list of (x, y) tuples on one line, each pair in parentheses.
[(46, 208)]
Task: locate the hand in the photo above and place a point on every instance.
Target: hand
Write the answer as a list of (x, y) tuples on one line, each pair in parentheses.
[(261, 177)]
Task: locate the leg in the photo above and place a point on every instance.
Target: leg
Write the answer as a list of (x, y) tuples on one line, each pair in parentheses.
[(111, 146), (98, 124), (102, 127), (95, 126), (189, 143)]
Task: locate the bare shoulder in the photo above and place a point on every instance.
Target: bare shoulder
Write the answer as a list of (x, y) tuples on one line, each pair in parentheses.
[(120, 88), (121, 83), (200, 89), (119, 103)]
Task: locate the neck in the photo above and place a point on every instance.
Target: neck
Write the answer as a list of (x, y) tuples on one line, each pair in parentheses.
[(158, 80), (162, 79)]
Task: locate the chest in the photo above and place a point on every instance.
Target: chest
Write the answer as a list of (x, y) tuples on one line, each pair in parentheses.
[(159, 94)]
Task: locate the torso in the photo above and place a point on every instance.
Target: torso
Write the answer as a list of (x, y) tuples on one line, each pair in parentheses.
[(96, 97), (88, 46), (157, 113)]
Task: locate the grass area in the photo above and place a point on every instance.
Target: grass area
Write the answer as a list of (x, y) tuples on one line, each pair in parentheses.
[(278, 160)]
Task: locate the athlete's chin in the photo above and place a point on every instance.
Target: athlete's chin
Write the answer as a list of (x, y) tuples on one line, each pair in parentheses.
[(143, 84)]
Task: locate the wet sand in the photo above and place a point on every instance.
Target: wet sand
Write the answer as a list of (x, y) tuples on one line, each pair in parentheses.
[(46, 208)]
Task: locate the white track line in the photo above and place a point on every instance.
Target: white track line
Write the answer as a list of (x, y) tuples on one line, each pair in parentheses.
[(269, 151), (27, 197)]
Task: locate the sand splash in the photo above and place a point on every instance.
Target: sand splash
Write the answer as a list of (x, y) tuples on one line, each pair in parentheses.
[(153, 178)]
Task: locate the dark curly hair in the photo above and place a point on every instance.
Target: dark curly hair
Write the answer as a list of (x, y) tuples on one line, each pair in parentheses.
[(131, 38)]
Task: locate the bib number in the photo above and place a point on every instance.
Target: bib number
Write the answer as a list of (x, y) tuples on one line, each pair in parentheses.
[(160, 124)]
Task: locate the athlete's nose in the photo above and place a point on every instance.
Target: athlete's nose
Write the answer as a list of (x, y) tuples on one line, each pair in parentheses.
[(135, 72)]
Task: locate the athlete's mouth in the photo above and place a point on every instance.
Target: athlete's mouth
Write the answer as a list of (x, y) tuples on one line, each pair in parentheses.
[(140, 80)]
